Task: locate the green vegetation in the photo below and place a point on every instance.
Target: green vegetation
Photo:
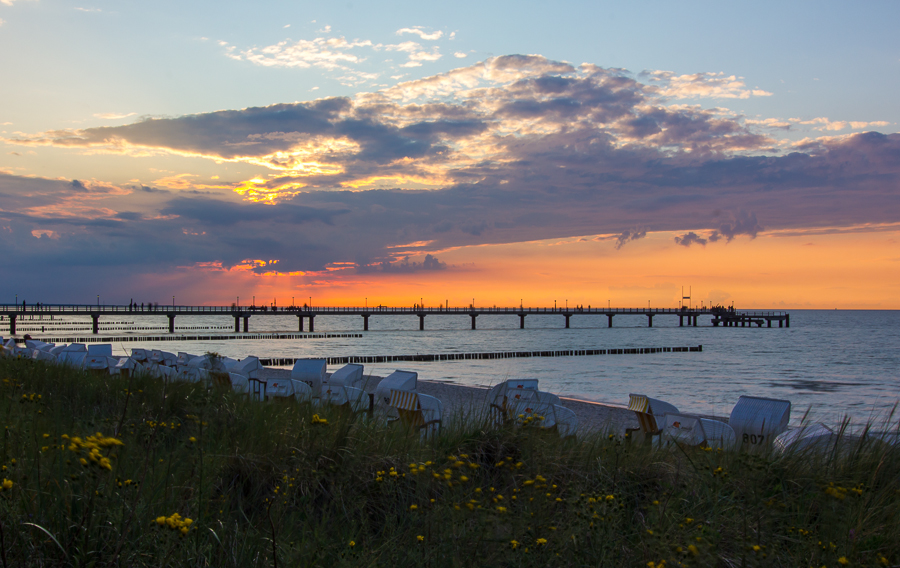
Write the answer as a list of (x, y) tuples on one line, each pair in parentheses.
[(100, 471)]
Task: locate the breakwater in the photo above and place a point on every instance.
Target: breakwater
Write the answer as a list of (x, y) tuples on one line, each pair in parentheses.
[(423, 357)]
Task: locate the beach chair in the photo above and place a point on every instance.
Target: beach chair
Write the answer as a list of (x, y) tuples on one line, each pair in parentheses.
[(311, 372), (239, 383), (98, 357), (183, 359), (349, 375), (139, 355), (416, 411), (814, 438), (503, 396), (757, 421), (690, 430), (73, 355), (650, 412), (248, 366), (354, 399), (398, 380)]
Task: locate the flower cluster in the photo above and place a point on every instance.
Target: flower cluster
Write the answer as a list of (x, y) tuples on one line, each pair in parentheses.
[(6, 485), (93, 445), (175, 522)]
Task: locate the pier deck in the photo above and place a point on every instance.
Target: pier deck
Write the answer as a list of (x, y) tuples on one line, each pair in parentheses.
[(726, 317)]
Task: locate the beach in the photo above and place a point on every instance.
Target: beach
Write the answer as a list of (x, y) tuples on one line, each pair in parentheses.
[(461, 401)]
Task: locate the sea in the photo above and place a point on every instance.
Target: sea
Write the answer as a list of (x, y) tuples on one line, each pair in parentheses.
[(831, 365)]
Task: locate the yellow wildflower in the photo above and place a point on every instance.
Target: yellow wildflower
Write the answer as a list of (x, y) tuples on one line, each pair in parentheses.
[(420, 538)]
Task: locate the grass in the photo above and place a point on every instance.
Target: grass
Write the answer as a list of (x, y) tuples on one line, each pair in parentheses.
[(117, 471)]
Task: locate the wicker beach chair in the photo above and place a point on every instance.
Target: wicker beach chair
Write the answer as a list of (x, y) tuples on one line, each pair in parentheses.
[(757, 421), (248, 367), (311, 372), (650, 413), (416, 411), (73, 355)]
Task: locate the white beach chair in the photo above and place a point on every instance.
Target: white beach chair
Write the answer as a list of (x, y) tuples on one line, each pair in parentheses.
[(757, 421), (98, 357), (649, 412), (311, 372), (279, 388), (73, 355), (357, 400), (349, 375), (398, 380), (183, 359), (248, 366), (239, 383), (506, 395), (814, 438)]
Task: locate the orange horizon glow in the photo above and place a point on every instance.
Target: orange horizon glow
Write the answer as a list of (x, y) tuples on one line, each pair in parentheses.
[(815, 271)]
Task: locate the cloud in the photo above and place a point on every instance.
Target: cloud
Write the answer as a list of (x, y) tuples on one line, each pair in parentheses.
[(324, 53), (689, 239), (460, 55), (2, 21), (403, 266), (421, 33), (511, 149), (114, 116), (630, 235), (703, 85), (742, 223)]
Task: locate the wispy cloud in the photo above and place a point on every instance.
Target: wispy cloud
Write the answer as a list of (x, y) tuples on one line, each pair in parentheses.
[(325, 53), (703, 85), (417, 30), (114, 115)]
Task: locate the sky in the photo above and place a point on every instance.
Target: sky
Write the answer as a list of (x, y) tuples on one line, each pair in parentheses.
[(588, 153)]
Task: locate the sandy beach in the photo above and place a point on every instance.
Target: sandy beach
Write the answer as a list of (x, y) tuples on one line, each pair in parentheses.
[(460, 401)]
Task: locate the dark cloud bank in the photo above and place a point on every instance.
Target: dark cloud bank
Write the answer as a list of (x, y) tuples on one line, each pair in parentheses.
[(614, 162)]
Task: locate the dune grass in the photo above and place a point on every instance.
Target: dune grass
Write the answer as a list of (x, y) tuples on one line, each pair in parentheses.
[(117, 471)]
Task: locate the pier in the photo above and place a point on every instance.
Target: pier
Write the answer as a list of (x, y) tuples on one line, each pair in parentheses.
[(720, 317)]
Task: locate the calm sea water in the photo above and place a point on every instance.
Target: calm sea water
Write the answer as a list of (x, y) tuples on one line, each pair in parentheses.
[(831, 363)]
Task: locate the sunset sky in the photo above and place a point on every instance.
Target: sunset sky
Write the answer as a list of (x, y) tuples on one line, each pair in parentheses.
[(505, 152)]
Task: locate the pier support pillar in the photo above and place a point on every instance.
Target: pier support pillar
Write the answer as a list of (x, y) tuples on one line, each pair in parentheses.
[(567, 319), (787, 320), (473, 316), (680, 321), (365, 322), (237, 324), (421, 322), (300, 323), (312, 323), (246, 324), (695, 321), (769, 322), (780, 323), (649, 320), (522, 321), (12, 324), (171, 323), (610, 316), (96, 323)]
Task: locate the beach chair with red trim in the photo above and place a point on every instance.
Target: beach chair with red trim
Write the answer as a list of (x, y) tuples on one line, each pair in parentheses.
[(352, 398), (416, 411), (690, 430), (504, 397), (649, 412)]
